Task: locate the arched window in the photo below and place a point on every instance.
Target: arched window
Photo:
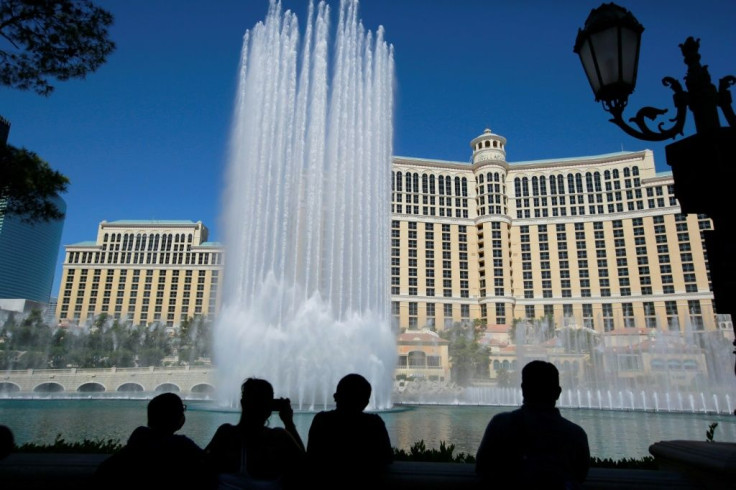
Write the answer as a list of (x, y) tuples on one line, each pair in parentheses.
[(535, 186), (517, 186), (627, 172), (597, 180), (125, 241), (441, 183), (431, 184), (589, 182), (457, 186), (615, 173), (393, 181), (607, 175), (579, 183), (398, 182), (570, 184), (480, 178), (560, 184), (408, 181), (425, 183), (552, 185), (448, 186), (415, 181), (464, 186), (635, 171), (525, 186), (543, 185)]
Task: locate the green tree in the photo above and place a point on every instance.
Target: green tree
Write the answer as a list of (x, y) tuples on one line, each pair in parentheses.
[(32, 333), (26, 342), (503, 377), (28, 186), (51, 39), (469, 358)]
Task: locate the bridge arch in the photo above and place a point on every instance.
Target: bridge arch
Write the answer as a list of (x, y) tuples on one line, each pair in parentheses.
[(203, 389), (130, 387), (48, 387), (91, 387), (8, 387), (167, 388)]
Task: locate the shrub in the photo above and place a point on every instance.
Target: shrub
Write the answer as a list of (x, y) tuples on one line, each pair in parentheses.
[(99, 446)]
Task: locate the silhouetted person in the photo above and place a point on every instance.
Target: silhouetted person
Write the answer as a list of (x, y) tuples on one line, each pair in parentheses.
[(7, 441), (254, 450), (534, 446), (347, 447), (156, 458)]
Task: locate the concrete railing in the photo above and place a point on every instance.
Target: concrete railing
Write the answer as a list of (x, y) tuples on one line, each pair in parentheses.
[(187, 379), (31, 471)]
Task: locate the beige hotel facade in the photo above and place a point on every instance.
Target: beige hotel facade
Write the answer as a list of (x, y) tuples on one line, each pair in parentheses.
[(142, 272), (596, 242)]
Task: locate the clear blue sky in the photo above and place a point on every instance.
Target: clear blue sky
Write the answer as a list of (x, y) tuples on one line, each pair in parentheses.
[(145, 137)]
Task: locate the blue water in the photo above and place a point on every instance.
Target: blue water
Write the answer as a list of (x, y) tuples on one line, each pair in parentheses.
[(612, 434)]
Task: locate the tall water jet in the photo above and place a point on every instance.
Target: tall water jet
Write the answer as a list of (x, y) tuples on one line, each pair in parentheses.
[(307, 210)]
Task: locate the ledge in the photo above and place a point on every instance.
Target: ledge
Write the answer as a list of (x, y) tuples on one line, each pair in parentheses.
[(30, 471), (711, 463)]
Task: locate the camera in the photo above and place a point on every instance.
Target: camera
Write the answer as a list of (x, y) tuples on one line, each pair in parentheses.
[(279, 404)]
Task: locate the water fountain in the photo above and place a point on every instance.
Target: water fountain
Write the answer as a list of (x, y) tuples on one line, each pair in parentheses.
[(647, 369), (307, 211)]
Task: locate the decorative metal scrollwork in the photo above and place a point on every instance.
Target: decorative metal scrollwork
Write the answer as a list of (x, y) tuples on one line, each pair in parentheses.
[(644, 132), (698, 99)]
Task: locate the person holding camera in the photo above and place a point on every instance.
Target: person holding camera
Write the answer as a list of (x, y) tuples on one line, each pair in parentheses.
[(251, 454)]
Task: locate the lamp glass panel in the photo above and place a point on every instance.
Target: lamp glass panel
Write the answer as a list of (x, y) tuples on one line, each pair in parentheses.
[(586, 58), (605, 47), (629, 55)]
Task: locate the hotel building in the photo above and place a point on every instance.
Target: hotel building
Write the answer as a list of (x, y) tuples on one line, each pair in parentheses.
[(597, 242), (143, 272)]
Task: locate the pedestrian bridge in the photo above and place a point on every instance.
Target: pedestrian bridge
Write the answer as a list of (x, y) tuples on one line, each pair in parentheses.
[(186, 380)]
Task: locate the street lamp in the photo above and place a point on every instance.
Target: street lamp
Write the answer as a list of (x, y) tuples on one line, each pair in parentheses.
[(608, 46), (704, 164)]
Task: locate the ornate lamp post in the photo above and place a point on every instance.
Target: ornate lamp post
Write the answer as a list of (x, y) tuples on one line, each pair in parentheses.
[(704, 164)]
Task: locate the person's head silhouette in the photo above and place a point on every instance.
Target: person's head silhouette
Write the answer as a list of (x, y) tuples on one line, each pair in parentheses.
[(540, 384), (353, 393), (166, 413), (7, 441), (256, 401)]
